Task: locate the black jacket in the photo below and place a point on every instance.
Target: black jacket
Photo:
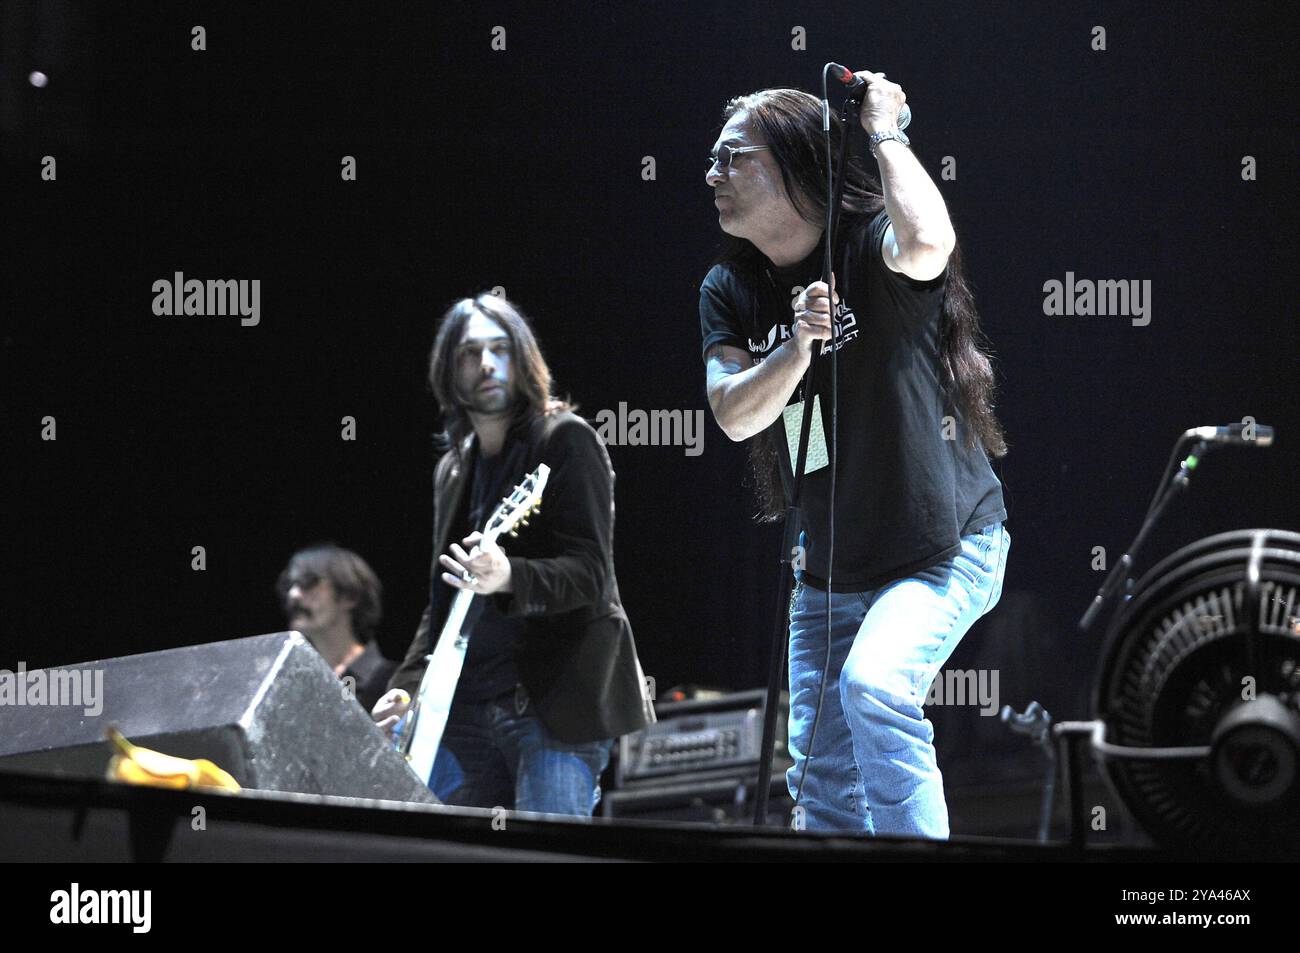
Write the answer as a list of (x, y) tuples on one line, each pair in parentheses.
[(370, 672), (577, 658)]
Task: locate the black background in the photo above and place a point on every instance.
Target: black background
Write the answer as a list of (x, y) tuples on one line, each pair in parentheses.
[(523, 169)]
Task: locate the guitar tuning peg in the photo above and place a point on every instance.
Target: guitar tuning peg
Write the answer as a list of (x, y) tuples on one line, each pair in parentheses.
[(513, 533)]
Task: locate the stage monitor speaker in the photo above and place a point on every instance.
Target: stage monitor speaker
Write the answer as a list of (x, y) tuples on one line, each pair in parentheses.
[(268, 709)]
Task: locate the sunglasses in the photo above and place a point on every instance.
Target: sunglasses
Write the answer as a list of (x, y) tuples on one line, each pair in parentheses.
[(306, 582), (726, 154)]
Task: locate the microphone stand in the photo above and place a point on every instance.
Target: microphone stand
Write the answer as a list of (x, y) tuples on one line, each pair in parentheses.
[(793, 515), (1119, 573)]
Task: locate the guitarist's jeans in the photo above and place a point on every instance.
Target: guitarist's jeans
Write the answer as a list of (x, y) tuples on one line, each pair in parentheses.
[(494, 756), (873, 767)]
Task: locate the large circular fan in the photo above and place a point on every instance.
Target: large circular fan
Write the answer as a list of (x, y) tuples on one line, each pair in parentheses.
[(1206, 653)]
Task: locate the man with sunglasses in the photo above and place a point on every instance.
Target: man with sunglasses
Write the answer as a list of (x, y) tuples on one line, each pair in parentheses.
[(333, 597), (919, 545)]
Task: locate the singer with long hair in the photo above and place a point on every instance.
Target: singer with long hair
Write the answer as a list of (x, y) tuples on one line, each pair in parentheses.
[(920, 548)]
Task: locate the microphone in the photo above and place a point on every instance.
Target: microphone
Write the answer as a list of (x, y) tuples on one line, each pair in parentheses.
[(857, 88), (1260, 436)]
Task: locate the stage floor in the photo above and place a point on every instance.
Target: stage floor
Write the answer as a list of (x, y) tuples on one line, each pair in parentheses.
[(46, 818)]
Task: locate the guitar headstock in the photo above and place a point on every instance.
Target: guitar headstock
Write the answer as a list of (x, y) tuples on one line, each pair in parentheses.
[(515, 509)]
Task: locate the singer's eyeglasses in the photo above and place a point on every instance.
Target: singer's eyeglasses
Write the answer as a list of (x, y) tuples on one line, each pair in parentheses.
[(727, 153)]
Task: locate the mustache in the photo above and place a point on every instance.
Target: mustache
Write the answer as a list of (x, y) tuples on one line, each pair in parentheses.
[(297, 607)]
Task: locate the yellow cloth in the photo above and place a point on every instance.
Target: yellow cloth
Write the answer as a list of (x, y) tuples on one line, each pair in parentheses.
[(135, 765)]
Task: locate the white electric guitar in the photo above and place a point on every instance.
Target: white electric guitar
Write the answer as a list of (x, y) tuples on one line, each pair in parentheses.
[(422, 734)]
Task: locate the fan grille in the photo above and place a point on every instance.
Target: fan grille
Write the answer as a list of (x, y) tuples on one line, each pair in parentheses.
[(1181, 664)]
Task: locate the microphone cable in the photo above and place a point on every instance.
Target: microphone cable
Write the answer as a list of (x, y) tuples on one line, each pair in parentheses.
[(828, 262)]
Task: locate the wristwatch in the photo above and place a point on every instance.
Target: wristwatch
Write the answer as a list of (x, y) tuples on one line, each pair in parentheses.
[(879, 137)]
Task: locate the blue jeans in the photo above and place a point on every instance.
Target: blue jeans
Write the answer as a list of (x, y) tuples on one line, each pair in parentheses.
[(497, 753), (873, 766)]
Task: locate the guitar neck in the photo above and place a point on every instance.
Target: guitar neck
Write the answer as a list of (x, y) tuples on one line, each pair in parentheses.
[(456, 615), (432, 704), (460, 605), (451, 634)]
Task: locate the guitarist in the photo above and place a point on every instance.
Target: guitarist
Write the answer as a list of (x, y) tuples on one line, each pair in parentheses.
[(551, 676)]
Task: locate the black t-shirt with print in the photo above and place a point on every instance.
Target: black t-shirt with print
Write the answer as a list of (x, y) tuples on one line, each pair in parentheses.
[(907, 487)]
